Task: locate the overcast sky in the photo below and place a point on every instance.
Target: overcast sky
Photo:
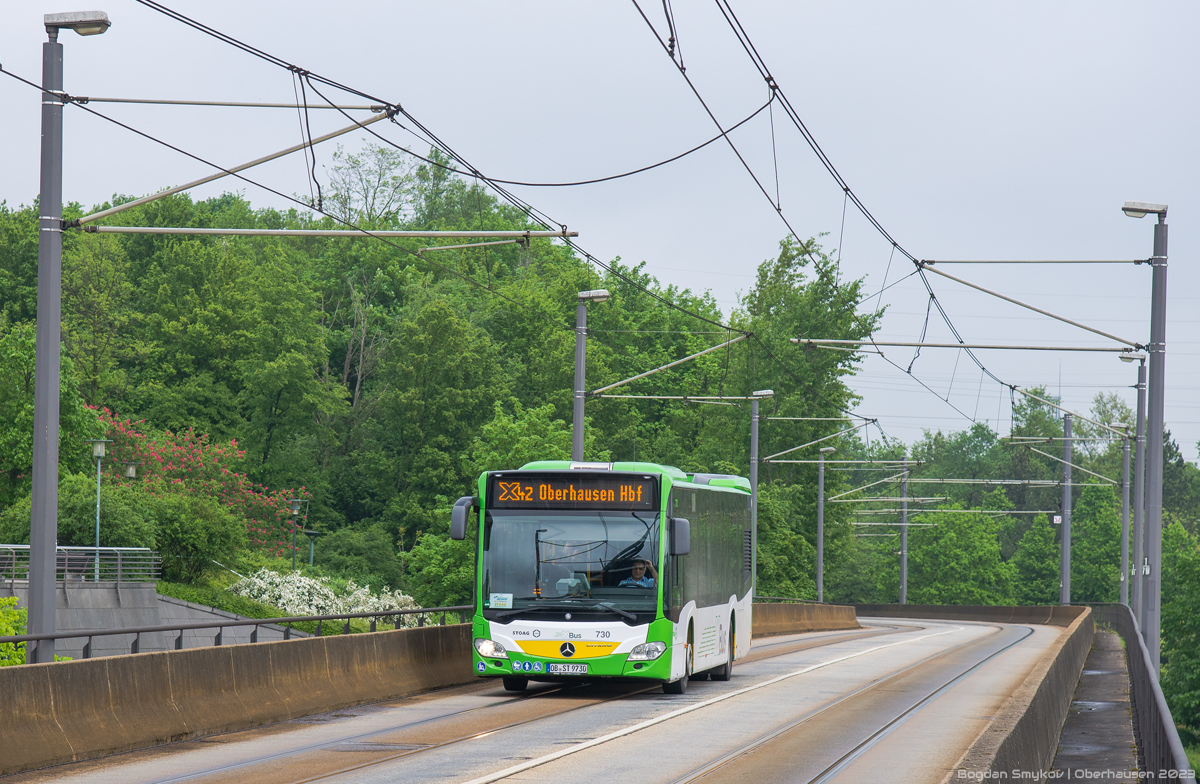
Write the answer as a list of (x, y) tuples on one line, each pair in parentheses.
[(971, 130)]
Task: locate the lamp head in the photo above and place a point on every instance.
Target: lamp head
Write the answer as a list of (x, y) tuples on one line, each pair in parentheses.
[(294, 503), (98, 446), (82, 22), (764, 393), (131, 470), (1132, 356), (594, 295), (828, 449), (1140, 209)]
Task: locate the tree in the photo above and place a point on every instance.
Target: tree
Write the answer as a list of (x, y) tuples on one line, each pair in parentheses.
[(1036, 564), (1096, 546), (1181, 627), (365, 552), (957, 561)]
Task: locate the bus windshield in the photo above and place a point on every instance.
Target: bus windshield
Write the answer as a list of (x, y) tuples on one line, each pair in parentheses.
[(564, 559)]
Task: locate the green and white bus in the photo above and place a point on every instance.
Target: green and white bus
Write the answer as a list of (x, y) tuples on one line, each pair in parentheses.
[(609, 570)]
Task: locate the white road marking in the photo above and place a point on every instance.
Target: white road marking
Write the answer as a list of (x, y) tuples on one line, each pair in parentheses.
[(688, 709)]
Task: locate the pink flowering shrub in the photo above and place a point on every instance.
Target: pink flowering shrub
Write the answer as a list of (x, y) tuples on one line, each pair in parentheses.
[(191, 463)]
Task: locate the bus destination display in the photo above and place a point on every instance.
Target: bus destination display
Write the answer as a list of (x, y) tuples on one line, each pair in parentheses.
[(620, 492)]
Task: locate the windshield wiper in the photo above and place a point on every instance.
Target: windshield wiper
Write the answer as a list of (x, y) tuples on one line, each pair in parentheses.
[(618, 611)]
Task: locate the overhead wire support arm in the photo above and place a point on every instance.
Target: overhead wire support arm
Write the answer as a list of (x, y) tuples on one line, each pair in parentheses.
[(864, 487), (668, 365), (819, 440), (1048, 314), (82, 99), (1034, 261), (224, 172), (511, 236), (1073, 466), (1113, 430), (863, 345)]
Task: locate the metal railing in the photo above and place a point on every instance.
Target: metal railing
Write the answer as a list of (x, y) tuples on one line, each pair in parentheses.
[(396, 617), (785, 599), (82, 564), (1160, 751)]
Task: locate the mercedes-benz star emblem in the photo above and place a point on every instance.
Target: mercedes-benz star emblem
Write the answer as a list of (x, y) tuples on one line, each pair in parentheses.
[(567, 650)]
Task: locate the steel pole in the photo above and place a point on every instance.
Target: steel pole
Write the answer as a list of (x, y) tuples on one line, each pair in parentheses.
[(904, 538), (580, 365), (821, 527), (97, 575), (1154, 440), (1125, 521), (1139, 500), (43, 536), (753, 498), (1064, 565)]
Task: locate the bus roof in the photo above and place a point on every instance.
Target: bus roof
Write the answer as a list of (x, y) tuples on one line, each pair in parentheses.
[(677, 476)]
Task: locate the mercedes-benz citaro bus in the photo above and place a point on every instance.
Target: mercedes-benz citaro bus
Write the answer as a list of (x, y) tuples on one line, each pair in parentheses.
[(609, 570)]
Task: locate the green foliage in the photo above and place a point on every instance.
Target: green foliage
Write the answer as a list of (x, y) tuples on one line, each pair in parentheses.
[(1036, 564), (12, 624), (957, 561), (1096, 546), (1181, 631), (76, 422), (191, 532), (786, 560), (366, 553), (441, 571), (125, 520)]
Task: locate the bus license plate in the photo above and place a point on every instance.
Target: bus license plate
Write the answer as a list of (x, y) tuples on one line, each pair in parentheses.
[(566, 669)]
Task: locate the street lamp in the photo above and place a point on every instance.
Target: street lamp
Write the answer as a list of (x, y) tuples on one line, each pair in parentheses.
[(1139, 490), (98, 453), (821, 521), (754, 418), (43, 534), (1152, 596), (294, 504), (1124, 512), (594, 295)]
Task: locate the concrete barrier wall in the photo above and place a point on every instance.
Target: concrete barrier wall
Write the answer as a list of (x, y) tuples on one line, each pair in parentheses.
[(1024, 735), (794, 617), (69, 711)]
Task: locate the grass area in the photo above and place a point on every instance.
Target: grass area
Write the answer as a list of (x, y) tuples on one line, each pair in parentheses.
[(1193, 754)]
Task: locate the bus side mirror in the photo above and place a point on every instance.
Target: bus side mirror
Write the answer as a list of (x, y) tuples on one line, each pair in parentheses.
[(460, 515), (681, 536)]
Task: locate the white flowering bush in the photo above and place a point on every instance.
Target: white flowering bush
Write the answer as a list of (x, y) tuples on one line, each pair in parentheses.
[(296, 594)]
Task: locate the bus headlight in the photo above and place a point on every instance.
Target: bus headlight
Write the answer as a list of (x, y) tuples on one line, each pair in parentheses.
[(490, 649), (647, 651)]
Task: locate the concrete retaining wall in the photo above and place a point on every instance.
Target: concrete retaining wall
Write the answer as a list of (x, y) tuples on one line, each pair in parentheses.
[(1024, 735), (793, 618), (68, 711)]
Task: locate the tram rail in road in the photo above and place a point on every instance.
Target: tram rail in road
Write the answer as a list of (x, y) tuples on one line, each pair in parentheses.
[(788, 692)]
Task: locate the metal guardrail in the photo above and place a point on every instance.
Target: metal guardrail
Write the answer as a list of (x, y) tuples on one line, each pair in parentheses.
[(1160, 751), (137, 631), (84, 564), (785, 599)]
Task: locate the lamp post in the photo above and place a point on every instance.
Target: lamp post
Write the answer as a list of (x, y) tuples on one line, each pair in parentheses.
[(821, 521), (294, 504), (98, 453), (1064, 550), (904, 537), (1139, 489), (43, 535), (754, 419), (1152, 596), (595, 295), (1124, 513)]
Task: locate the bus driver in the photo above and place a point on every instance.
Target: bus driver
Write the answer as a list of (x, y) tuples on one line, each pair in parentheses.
[(638, 578)]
